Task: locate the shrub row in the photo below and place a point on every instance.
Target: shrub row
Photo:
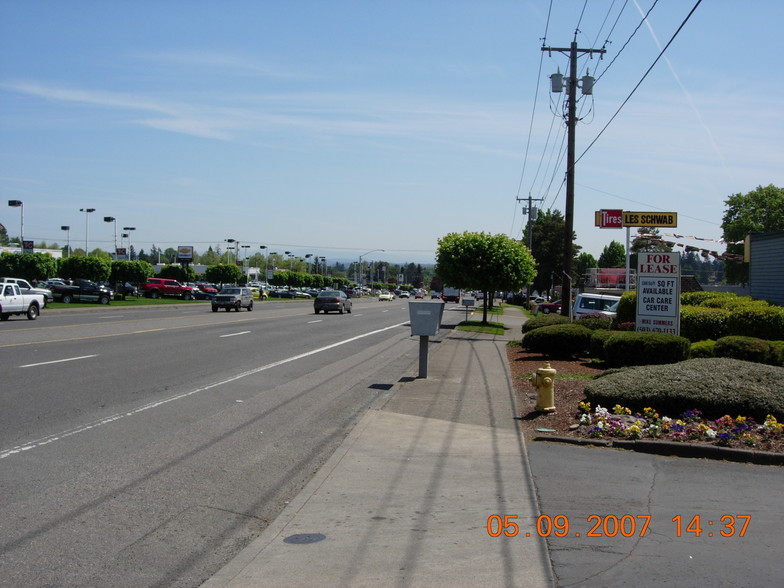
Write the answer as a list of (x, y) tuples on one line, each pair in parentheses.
[(558, 340), (717, 386), (740, 347), (618, 348), (712, 315), (545, 320)]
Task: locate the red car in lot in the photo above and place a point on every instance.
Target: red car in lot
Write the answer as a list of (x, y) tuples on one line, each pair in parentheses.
[(548, 307)]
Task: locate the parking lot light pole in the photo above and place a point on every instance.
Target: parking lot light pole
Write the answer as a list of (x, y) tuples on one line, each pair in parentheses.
[(264, 247), (67, 230), (245, 261), (19, 204), (229, 248), (128, 235), (86, 212), (111, 219)]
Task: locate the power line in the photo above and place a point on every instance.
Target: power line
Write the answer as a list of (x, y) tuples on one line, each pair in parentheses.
[(634, 32), (645, 75), (533, 115)]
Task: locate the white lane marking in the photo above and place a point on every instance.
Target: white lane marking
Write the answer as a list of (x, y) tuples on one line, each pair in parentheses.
[(111, 316), (57, 361), (116, 417), (318, 321), (235, 334)]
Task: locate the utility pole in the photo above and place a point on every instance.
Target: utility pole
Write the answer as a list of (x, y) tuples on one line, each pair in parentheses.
[(532, 214), (571, 122)]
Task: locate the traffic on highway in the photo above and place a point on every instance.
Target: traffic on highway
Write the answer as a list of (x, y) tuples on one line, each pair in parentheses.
[(155, 442)]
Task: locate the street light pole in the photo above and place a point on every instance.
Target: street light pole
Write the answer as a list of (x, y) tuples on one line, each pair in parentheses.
[(86, 212), (359, 269)]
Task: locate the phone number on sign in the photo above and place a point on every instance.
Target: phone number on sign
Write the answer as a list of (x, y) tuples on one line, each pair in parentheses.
[(613, 526)]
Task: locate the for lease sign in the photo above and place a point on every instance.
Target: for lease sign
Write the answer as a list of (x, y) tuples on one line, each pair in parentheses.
[(659, 292)]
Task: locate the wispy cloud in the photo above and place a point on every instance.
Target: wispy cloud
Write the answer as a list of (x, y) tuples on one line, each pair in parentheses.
[(236, 117), (218, 61)]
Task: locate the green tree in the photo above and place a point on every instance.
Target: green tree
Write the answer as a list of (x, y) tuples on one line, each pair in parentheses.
[(96, 269), (613, 255), (223, 273), (585, 261), (761, 210), (28, 266), (180, 273), (3, 235), (547, 246), (135, 272), (484, 262)]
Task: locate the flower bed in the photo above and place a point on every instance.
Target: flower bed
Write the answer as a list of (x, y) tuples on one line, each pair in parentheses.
[(740, 431)]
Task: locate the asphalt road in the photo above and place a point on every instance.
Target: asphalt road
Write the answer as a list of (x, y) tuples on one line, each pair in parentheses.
[(147, 447)]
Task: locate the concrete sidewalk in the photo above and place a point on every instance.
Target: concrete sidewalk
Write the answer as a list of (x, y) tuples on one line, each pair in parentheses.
[(405, 500)]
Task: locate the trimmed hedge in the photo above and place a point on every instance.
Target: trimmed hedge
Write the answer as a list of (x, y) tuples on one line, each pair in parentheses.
[(627, 307), (699, 323), (717, 386), (748, 349), (756, 321), (624, 349), (558, 340), (595, 321), (545, 320), (703, 349), (596, 344), (713, 315)]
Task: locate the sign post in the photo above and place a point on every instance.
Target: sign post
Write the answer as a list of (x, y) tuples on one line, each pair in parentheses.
[(659, 292)]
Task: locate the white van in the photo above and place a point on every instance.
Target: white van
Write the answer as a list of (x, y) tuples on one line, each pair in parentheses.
[(605, 304)]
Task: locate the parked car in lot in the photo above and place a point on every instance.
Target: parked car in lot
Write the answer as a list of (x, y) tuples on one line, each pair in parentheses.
[(327, 300), (233, 298), (385, 295), (588, 303), (27, 288), (548, 307), (207, 288), (199, 294), (405, 294), (158, 287), (82, 291)]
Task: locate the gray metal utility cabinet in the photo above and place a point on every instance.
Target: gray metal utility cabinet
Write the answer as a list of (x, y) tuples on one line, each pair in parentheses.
[(425, 321), (425, 317)]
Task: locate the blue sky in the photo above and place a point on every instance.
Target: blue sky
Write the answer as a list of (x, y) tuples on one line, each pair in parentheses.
[(340, 127)]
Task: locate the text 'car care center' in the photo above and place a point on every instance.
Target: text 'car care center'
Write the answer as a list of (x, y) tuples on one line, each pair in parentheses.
[(659, 292)]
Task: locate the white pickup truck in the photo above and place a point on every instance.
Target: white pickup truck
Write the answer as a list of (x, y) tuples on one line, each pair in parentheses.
[(12, 301)]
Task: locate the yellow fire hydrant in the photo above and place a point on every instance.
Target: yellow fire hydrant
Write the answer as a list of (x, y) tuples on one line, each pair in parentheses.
[(544, 380)]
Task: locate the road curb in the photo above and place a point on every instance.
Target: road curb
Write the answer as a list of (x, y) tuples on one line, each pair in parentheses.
[(672, 448)]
